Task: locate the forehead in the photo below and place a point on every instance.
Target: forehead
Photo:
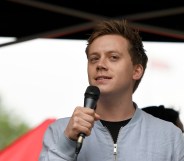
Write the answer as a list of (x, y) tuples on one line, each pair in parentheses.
[(108, 42)]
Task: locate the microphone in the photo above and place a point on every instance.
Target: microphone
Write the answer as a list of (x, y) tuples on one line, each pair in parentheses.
[(91, 94)]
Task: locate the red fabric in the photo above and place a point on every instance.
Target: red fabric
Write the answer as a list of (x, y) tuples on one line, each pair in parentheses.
[(28, 146)]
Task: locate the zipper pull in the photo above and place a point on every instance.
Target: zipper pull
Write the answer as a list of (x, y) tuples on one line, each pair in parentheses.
[(115, 151)]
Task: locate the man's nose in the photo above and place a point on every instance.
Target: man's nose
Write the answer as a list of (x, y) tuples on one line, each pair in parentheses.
[(102, 64)]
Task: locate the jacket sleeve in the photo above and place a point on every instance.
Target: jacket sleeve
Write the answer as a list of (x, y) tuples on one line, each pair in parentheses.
[(179, 148), (56, 146)]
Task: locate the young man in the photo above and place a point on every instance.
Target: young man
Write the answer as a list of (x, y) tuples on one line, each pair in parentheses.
[(117, 129)]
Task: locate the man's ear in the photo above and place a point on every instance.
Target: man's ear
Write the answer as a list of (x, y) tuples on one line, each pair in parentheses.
[(138, 71)]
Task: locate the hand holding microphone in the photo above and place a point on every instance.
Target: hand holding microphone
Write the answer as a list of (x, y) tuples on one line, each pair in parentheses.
[(91, 97)]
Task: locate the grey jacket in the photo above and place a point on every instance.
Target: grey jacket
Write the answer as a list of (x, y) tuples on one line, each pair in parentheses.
[(144, 138)]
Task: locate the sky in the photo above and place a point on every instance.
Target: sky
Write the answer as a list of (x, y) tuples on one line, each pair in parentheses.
[(47, 78)]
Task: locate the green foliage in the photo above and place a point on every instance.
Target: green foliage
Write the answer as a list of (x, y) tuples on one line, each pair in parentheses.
[(11, 127)]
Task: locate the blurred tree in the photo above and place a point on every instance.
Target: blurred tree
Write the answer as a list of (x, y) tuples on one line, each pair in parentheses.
[(11, 127)]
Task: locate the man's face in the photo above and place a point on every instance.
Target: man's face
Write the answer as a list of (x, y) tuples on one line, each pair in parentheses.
[(110, 66)]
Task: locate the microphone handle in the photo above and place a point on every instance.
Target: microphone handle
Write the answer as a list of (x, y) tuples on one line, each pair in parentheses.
[(90, 102), (81, 138), (79, 143)]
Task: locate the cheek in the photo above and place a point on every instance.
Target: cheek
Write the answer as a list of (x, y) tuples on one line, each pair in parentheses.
[(124, 75), (89, 73)]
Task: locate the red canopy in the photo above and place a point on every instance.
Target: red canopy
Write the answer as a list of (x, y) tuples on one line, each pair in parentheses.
[(28, 146)]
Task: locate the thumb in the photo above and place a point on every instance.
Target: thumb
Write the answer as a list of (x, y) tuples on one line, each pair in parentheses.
[(97, 117)]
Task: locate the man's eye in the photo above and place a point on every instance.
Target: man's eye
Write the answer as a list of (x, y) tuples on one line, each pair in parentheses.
[(93, 59), (114, 57)]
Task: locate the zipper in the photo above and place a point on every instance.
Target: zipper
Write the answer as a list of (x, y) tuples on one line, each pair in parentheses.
[(115, 152), (115, 149)]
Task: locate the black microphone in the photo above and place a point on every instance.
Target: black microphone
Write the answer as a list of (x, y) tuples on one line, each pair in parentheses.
[(91, 94)]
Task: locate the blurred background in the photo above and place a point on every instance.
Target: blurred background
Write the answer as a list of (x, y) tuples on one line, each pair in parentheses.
[(43, 64)]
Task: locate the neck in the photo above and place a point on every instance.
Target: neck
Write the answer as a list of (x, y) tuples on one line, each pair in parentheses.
[(115, 109)]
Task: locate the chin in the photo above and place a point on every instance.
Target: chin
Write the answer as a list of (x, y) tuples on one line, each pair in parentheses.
[(104, 89)]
